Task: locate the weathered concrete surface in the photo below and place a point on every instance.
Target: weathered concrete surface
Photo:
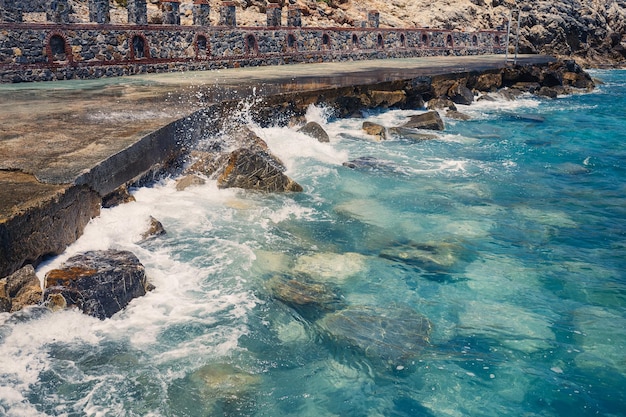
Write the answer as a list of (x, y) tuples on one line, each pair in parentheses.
[(65, 144)]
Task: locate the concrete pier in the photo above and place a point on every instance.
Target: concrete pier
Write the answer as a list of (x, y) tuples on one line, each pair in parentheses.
[(62, 144)]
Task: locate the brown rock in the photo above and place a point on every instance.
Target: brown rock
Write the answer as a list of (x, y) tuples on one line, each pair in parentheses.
[(20, 289), (386, 98), (375, 129), (316, 131), (488, 82), (457, 115), (429, 120), (460, 94), (441, 103), (117, 197), (155, 229)]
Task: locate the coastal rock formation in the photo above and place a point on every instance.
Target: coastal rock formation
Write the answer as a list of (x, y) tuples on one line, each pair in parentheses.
[(305, 296), (19, 290), (250, 165), (99, 283)]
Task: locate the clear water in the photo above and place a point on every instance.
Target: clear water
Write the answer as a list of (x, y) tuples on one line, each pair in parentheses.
[(527, 302)]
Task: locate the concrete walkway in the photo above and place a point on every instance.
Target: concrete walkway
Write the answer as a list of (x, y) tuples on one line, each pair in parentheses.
[(51, 133)]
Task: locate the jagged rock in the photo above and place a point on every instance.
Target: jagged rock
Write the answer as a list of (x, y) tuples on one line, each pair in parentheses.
[(117, 197), (529, 87), (428, 256), (316, 131), (374, 129), (370, 163), (488, 82), (155, 229), (390, 336), (20, 289), (460, 94), (429, 120), (485, 97), (99, 283), (255, 170), (441, 103), (188, 181), (510, 93), (457, 115)]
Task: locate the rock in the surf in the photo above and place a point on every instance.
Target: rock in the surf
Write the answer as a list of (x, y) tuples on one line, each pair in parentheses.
[(99, 283), (429, 120), (304, 295), (19, 290), (429, 256), (375, 129), (316, 131)]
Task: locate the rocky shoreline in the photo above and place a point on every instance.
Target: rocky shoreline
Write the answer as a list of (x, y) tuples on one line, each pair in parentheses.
[(92, 281)]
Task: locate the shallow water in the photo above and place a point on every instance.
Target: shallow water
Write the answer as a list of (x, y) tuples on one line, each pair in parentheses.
[(507, 233)]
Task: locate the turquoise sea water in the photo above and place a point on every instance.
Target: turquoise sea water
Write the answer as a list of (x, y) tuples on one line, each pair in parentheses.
[(507, 232)]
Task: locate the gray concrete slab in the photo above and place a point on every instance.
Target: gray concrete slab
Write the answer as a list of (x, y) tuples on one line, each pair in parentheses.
[(51, 133)]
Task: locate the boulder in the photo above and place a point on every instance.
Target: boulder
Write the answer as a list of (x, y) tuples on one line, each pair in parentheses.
[(155, 229), (410, 134), (316, 131), (457, 115), (20, 289), (374, 129), (390, 336), (488, 82), (434, 257), (547, 92), (255, 170), (99, 283), (305, 296), (441, 103), (429, 120), (460, 94), (368, 162), (120, 196), (386, 98)]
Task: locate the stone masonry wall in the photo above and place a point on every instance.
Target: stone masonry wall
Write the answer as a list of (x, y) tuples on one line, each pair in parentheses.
[(58, 51)]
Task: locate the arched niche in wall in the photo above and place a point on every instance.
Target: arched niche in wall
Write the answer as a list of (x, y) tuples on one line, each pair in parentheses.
[(425, 40), (496, 40), (202, 46), (449, 41), (355, 41), (139, 47), (252, 47), (380, 41), (474, 40), (292, 42), (326, 44), (58, 48), (402, 40)]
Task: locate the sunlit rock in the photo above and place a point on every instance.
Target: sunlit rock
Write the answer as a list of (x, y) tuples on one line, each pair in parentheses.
[(99, 283), (460, 94), (376, 130), (20, 289), (120, 196), (316, 131), (457, 115), (385, 99), (333, 267), (390, 336), (429, 120), (441, 103)]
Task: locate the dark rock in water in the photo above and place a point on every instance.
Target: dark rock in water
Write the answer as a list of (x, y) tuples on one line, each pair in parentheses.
[(429, 120), (547, 92), (99, 283), (375, 129), (440, 256), (255, 170), (485, 97), (188, 181), (460, 94), (527, 87), (305, 296), (20, 289), (117, 197), (367, 162), (410, 134), (390, 336), (457, 115), (316, 131), (155, 229), (441, 103), (510, 93)]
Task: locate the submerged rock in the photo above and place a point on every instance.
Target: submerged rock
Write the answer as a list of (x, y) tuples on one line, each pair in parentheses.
[(304, 295), (328, 266), (429, 120), (429, 256), (316, 131), (392, 336), (223, 380), (410, 134), (99, 283), (369, 162), (20, 289)]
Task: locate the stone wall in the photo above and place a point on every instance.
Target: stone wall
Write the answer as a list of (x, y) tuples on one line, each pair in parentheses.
[(57, 50), (42, 52)]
